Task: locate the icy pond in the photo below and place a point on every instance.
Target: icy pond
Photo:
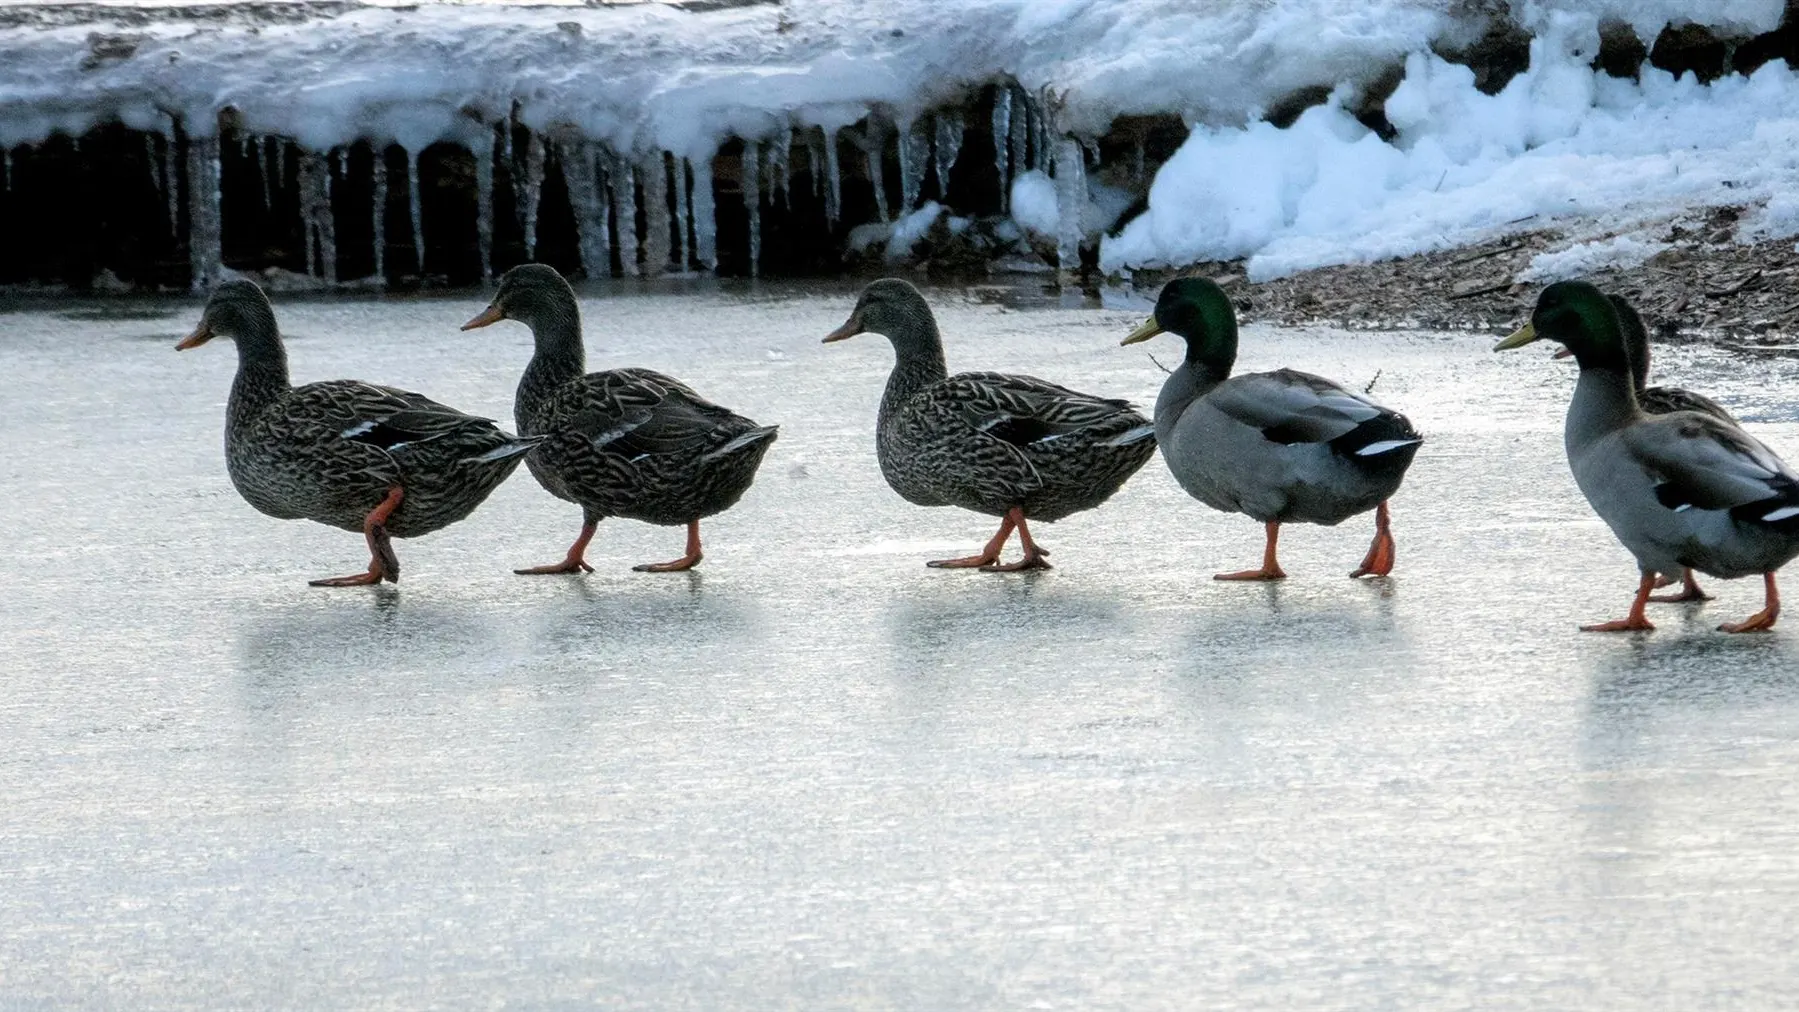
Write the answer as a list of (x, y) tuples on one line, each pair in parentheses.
[(816, 774)]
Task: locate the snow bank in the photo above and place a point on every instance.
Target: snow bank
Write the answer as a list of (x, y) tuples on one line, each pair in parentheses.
[(1587, 257), (1560, 140)]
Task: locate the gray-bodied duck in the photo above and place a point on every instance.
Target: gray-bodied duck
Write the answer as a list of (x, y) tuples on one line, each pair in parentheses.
[(1281, 447), (626, 443), (1013, 447), (389, 463), (1660, 401), (1682, 489)]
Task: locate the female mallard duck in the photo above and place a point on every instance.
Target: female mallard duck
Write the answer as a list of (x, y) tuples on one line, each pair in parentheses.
[(622, 443), (1684, 489), (1660, 401), (1281, 447), (366, 458), (1008, 446)]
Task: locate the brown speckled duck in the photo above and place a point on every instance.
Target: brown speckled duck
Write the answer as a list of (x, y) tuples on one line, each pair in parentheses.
[(626, 443), (389, 463), (1008, 446)]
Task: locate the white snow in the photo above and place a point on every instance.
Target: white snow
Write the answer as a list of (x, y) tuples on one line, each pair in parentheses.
[(1586, 257), (1559, 141)]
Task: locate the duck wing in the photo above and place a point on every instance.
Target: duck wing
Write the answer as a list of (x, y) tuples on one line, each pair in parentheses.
[(638, 412), (1697, 460), (1667, 400), (1288, 406), (1031, 414)]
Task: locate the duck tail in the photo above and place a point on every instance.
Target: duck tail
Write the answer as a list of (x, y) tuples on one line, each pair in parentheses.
[(1135, 434), (761, 434), (518, 446)]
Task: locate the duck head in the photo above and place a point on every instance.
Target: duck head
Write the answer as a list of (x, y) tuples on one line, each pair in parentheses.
[(530, 294), (1580, 318), (236, 309), (1197, 310), (890, 306)]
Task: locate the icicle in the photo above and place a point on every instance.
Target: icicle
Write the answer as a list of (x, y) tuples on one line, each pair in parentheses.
[(653, 174), (151, 159), (315, 215), (171, 185), (914, 160), (780, 165), (751, 185), (484, 204), (6, 156), (1043, 149), (815, 157), (1071, 204), (1138, 163), (950, 128), (623, 182), (683, 215), (286, 176), (268, 170), (378, 211), (203, 211), (833, 195), (1002, 141), (584, 199), (413, 187), (535, 156), (872, 153), (1018, 137), (705, 216)]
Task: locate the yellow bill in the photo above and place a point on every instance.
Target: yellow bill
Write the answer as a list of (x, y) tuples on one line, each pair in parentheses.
[(1149, 329), (1525, 335)]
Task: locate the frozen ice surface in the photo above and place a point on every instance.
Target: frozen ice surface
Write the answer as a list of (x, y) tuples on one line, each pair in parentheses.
[(815, 774)]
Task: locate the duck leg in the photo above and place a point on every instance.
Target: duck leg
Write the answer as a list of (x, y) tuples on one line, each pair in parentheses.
[(1635, 621), (1379, 560), (1762, 620), (383, 563), (685, 562), (1271, 569), (575, 562), (989, 555), (1034, 555), (1689, 590)]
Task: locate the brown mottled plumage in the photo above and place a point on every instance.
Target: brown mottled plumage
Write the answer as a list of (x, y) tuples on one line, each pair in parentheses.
[(346, 453), (1009, 446), (626, 443)]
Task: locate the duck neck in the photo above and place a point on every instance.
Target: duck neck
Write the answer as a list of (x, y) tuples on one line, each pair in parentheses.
[(1210, 356), (559, 357), (917, 361), (261, 371), (1603, 403), (1190, 381)]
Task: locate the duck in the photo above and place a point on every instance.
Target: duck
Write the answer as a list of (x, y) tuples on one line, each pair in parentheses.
[(1685, 489), (1004, 445), (1280, 447), (387, 462), (630, 443), (1660, 400)]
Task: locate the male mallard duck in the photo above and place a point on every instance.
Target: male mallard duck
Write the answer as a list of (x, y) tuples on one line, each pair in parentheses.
[(1282, 446), (622, 443), (1659, 401), (345, 453), (1008, 446), (1684, 489)]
